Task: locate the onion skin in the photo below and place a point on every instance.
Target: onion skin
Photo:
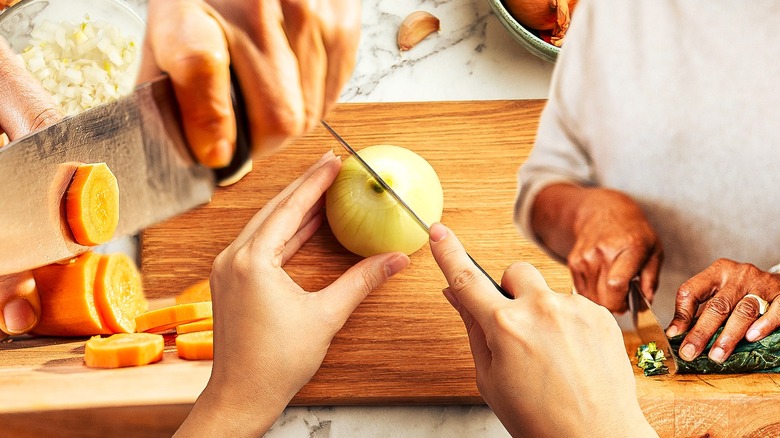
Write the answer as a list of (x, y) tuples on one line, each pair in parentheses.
[(552, 15), (365, 219)]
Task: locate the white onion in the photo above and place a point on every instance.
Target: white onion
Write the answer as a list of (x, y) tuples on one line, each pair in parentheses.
[(83, 64)]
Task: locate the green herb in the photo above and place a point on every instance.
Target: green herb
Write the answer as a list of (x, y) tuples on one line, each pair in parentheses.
[(748, 357), (651, 359)]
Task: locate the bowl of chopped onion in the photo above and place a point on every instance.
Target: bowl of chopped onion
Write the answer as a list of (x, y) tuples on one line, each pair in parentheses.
[(84, 52), (538, 25)]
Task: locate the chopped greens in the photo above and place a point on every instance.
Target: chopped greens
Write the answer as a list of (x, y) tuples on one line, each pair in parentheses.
[(651, 359), (748, 357)]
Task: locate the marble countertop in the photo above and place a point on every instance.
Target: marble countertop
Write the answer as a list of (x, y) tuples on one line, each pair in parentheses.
[(471, 58)]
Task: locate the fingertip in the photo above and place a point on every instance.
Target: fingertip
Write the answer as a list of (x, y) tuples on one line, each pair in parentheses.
[(19, 316), (672, 331), (217, 154), (438, 232), (397, 262)]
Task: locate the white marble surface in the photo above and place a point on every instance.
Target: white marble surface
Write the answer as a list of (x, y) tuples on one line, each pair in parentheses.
[(471, 58)]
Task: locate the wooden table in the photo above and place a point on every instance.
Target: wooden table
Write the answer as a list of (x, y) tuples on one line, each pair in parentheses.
[(404, 344)]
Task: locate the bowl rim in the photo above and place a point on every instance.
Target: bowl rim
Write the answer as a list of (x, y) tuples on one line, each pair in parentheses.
[(525, 37)]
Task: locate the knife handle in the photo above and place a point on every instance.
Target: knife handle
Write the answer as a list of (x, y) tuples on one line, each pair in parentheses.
[(243, 151)]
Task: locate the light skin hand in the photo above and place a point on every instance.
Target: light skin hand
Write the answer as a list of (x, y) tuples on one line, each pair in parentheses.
[(605, 238), (19, 302), (270, 335), (547, 364), (291, 58), (718, 293)]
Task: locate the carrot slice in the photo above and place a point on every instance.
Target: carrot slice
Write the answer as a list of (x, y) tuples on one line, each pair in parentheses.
[(197, 326), (119, 292), (67, 298), (123, 350), (196, 345), (197, 292), (167, 318), (92, 204)]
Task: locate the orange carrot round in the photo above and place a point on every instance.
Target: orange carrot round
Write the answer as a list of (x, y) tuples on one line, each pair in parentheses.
[(196, 345), (92, 204), (197, 326), (197, 292), (123, 350), (167, 318), (67, 298), (119, 292)]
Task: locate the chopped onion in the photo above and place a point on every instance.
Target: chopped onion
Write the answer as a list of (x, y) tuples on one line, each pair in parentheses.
[(83, 64)]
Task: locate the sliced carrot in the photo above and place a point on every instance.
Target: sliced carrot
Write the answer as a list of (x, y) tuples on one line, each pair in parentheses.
[(197, 292), (92, 204), (67, 298), (196, 345), (168, 318), (197, 326), (123, 350), (119, 294)]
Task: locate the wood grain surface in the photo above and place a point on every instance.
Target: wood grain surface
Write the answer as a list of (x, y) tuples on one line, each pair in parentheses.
[(404, 344)]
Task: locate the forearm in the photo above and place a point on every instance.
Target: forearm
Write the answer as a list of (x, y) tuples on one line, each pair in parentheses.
[(554, 214)]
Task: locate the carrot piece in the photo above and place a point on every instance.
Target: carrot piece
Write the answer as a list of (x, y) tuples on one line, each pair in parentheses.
[(167, 318), (197, 292), (119, 292), (92, 204), (196, 345), (67, 298), (197, 326), (123, 350)]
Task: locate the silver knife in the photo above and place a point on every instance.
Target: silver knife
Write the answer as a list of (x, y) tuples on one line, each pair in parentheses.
[(141, 139), (400, 201), (647, 326)]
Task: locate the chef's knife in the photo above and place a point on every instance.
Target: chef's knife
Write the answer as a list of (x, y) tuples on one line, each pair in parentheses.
[(647, 326), (141, 139), (400, 201)]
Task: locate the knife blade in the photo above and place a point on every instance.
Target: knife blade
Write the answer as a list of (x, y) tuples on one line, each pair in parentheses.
[(389, 190), (140, 138), (647, 326)]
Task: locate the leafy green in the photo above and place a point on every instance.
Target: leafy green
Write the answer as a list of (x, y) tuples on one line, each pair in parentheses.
[(760, 356), (651, 359)]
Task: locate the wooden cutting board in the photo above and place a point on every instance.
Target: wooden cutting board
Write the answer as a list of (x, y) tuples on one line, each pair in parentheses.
[(404, 344)]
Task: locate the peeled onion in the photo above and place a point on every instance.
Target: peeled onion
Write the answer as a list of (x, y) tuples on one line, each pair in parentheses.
[(366, 219)]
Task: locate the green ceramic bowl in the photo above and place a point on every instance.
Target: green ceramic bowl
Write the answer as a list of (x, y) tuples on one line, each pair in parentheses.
[(523, 35)]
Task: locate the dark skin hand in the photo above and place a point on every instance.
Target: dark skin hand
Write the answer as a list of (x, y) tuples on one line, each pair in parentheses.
[(719, 293), (604, 237)]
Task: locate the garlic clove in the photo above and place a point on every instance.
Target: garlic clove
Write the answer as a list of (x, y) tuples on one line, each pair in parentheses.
[(415, 27)]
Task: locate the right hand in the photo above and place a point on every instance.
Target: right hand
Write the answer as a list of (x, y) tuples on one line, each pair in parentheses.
[(547, 364)]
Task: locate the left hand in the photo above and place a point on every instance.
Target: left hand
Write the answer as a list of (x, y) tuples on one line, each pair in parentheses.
[(270, 335), (721, 291)]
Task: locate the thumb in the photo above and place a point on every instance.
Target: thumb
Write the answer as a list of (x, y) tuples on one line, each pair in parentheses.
[(20, 305), (342, 296), (523, 280)]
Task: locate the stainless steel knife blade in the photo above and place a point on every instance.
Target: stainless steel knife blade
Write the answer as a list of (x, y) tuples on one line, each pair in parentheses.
[(138, 136), (647, 326)]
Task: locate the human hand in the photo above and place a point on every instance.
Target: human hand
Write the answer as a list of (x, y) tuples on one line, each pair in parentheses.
[(547, 364), (721, 291), (24, 107), (270, 335), (291, 58)]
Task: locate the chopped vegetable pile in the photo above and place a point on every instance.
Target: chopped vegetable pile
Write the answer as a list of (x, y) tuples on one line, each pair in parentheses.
[(651, 359)]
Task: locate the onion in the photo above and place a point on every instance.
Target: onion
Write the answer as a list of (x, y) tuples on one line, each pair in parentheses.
[(366, 219), (553, 15), (82, 65)]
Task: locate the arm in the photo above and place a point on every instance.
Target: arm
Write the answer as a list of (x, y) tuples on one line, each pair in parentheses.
[(575, 378)]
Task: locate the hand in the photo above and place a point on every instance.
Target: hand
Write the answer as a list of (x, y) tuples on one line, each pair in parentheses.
[(609, 241), (291, 58), (720, 291), (270, 336), (548, 364), (24, 107)]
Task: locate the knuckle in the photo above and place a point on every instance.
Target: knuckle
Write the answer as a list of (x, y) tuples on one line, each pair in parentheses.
[(45, 118), (463, 278), (747, 309), (682, 315), (195, 63), (718, 305)]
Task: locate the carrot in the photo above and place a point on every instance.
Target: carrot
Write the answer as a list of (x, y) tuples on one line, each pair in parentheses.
[(197, 292), (123, 350), (119, 292), (92, 204), (196, 345), (197, 326), (167, 318), (67, 298)]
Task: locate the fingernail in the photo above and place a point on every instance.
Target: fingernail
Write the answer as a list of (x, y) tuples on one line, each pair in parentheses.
[(672, 331), (687, 351), (395, 264), (752, 335), (438, 232), (19, 316), (717, 354), (221, 154)]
